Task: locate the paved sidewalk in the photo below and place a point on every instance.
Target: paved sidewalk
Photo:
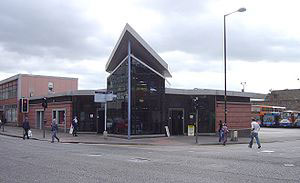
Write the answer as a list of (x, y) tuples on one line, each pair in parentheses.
[(266, 136)]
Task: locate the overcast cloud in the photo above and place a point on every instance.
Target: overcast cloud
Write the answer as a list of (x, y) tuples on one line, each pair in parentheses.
[(75, 38)]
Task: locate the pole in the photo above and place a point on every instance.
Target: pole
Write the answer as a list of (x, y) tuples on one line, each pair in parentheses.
[(105, 113), (197, 126), (225, 91), (129, 89), (43, 123)]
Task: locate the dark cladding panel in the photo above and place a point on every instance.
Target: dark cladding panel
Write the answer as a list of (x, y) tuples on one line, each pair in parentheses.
[(117, 83), (233, 98), (206, 110), (148, 91)]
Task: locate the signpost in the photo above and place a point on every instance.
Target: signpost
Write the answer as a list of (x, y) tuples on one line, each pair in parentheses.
[(45, 105), (104, 98)]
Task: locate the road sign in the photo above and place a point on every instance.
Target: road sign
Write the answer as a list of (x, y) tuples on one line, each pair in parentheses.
[(102, 97)]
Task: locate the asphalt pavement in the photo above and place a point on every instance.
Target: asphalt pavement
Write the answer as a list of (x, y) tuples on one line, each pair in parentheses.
[(23, 161)]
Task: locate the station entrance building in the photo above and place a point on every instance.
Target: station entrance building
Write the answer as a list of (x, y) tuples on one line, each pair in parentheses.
[(142, 104)]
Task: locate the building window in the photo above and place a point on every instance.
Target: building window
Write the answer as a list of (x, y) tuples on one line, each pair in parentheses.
[(10, 113), (59, 115), (50, 87)]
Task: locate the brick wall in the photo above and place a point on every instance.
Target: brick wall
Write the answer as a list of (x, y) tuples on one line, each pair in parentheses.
[(48, 115), (284, 98), (238, 115)]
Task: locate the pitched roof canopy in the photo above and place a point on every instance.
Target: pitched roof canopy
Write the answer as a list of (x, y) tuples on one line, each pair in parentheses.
[(139, 48)]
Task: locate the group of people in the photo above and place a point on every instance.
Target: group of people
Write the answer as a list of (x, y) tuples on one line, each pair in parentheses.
[(223, 133), (54, 128)]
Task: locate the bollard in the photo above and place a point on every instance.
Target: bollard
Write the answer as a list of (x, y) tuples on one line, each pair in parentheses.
[(44, 133), (105, 134)]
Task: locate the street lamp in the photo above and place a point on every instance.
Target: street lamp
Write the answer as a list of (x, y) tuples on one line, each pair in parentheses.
[(243, 84), (224, 41)]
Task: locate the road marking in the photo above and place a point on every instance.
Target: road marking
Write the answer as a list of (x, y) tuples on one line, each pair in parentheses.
[(266, 151), (94, 155), (139, 160), (289, 165)]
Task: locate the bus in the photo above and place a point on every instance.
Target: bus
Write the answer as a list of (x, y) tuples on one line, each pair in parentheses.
[(271, 119), (297, 121), (289, 118), (259, 111)]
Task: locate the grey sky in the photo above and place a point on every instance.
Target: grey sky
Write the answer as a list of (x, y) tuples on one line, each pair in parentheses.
[(75, 38)]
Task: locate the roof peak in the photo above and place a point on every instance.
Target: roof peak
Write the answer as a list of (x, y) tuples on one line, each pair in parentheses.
[(120, 50)]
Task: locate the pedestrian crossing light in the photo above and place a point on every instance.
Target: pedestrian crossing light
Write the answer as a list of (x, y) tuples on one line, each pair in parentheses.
[(24, 105), (45, 104)]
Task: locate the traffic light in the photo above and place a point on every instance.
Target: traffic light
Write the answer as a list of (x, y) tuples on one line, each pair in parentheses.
[(44, 103), (24, 105), (195, 103)]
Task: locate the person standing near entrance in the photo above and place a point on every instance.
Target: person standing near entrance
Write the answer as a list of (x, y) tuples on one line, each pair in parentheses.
[(54, 129), (254, 133), (224, 133), (75, 126), (220, 131), (26, 127)]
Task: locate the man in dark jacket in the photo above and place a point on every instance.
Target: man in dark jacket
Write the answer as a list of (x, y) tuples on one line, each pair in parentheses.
[(26, 127)]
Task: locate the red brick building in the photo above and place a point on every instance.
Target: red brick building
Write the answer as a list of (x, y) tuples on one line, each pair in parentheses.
[(25, 86), (64, 107)]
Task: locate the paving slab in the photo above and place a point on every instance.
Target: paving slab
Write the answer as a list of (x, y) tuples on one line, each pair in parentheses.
[(267, 135)]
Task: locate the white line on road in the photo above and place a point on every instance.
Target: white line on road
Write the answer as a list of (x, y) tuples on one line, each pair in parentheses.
[(289, 165), (266, 151)]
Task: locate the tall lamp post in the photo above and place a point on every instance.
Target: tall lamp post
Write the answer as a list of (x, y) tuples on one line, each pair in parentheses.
[(224, 41), (243, 84)]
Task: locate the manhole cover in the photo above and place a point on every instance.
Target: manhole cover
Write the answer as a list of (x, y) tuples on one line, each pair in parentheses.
[(289, 165), (267, 151), (139, 160)]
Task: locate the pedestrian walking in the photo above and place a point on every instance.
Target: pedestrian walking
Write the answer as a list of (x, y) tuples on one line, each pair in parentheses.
[(254, 133), (54, 129), (225, 132), (2, 121), (26, 127), (220, 131), (75, 126)]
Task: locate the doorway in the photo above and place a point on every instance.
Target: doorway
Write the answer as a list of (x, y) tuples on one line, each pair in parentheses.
[(176, 122), (100, 120), (39, 119)]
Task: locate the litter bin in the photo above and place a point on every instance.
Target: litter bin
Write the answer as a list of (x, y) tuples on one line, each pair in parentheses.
[(234, 135)]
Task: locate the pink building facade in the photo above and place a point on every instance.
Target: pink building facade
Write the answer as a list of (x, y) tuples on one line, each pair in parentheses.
[(25, 86)]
